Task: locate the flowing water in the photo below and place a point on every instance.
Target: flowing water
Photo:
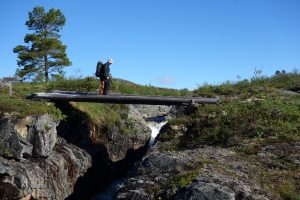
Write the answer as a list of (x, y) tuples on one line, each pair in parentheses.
[(155, 125), (155, 128)]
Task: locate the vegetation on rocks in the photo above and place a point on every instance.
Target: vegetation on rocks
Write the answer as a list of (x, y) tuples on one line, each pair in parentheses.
[(19, 106), (237, 121), (258, 119), (263, 116)]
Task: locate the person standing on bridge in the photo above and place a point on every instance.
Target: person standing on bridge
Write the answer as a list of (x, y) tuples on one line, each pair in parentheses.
[(103, 71)]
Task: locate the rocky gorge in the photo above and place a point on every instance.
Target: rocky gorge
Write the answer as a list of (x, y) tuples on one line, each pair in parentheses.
[(35, 162), (184, 165), (78, 158), (41, 158)]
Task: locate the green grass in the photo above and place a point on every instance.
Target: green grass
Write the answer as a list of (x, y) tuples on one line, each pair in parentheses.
[(288, 81), (252, 110), (91, 84), (108, 115), (21, 107), (234, 121), (185, 178), (281, 183), (251, 115), (99, 113)]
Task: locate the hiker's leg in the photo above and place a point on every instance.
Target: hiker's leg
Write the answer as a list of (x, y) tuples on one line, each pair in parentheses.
[(106, 87), (100, 86)]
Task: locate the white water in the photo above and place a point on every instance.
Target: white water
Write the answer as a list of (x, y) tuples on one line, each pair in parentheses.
[(108, 192), (155, 128)]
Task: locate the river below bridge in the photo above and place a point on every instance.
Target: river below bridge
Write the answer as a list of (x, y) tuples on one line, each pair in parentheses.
[(155, 125)]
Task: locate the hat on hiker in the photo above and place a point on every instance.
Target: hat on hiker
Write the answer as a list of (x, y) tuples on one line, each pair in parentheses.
[(110, 61)]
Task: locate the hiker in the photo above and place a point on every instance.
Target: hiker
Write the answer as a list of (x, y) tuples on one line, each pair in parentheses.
[(103, 71)]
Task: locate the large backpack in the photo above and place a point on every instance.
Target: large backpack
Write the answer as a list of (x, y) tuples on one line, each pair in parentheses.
[(99, 69)]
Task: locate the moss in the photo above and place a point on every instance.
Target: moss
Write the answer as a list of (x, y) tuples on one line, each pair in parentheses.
[(171, 146), (185, 178), (129, 131), (7, 152), (128, 127), (107, 115), (166, 136), (154, 190), (249, 149)]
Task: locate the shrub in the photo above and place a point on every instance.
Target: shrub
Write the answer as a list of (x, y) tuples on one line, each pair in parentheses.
[(233, 121)]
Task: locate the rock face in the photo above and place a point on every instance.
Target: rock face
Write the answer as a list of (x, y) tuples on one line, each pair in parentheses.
[(26, 137), (38, 162), (119, 143), (50, 178), (130, 134), (35, 162), (113, 149), (150, 111), (205, 172)]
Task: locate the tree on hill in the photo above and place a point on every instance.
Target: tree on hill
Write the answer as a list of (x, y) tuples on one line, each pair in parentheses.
[(45, 54)]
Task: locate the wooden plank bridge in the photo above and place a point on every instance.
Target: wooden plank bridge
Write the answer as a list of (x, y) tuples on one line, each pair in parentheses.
[(120, 99)]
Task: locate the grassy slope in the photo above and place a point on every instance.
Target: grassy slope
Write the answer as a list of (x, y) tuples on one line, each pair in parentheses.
[(97, 112), (252, 115), (19, 106), (103, 116), (90, 84)]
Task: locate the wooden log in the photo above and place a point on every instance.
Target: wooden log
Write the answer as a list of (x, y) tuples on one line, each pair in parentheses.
[(122, 99)]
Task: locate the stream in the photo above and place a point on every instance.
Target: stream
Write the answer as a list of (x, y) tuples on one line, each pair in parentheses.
[(155, 124)]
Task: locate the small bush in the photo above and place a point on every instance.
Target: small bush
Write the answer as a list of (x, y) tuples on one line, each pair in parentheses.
[(230, 122)]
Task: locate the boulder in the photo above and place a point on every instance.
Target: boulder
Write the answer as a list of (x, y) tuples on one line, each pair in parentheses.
[(49, 178), (32, 136)]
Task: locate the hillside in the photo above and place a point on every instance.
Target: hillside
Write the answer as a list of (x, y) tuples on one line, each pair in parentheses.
[(245, 147), (22, 107)]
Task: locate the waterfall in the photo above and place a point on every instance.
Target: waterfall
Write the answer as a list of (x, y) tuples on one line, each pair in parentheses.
[(155, 125), (155, 128)]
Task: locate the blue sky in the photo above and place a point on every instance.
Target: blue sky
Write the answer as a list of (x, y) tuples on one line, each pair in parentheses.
[(166, 43)]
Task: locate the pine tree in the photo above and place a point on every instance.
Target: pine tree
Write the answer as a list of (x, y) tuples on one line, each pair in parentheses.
[(45, 54)]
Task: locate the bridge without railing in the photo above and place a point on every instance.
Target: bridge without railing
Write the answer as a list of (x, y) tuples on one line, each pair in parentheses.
[(120, 99)]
